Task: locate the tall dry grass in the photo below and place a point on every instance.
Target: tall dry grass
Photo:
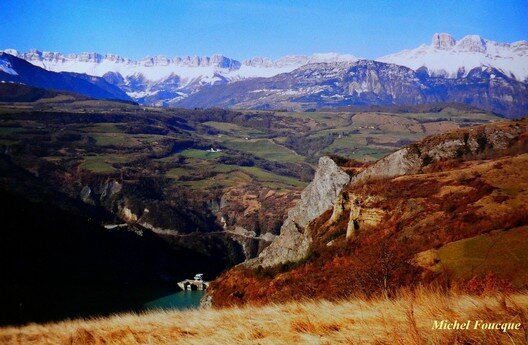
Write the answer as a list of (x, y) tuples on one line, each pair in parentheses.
[(407, 319)]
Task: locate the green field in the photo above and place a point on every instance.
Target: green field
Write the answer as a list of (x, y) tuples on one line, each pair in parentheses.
[(176, 173), (104, 163), (500, 251), (202, 154), (234, 129), (232, 175), (266, 149), (105, 127), (115, 139)]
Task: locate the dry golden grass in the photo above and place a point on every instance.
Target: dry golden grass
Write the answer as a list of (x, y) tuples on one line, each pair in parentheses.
[(407, 319)]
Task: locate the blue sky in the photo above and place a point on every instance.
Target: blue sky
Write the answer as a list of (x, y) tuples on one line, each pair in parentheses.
[(242, 29)]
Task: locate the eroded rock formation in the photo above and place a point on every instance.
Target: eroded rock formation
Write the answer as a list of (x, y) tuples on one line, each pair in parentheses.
[(319, 195)]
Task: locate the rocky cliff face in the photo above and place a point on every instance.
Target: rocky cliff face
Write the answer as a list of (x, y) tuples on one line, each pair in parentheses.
[(361, 212), (253, 215), (443, 41), (43, 58), (412, 159), (241, 220), (293, 242)]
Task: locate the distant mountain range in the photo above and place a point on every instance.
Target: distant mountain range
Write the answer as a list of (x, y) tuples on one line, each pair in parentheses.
[(159, 80), (473, 70), (366, 82)]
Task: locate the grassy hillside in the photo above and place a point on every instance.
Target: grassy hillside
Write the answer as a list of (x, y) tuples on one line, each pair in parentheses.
[(497, 251), (406, 319)]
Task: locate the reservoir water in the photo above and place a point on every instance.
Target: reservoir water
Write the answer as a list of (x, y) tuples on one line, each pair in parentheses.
[(83, 302), (178, 300)]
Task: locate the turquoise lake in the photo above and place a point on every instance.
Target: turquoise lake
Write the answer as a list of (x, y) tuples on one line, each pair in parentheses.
[(178, 300)]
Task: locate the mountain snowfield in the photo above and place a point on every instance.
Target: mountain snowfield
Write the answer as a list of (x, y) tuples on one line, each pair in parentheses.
[(450, 58)]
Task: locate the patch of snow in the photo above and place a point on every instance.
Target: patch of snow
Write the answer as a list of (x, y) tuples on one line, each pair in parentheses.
[(142, 94), (5, 66)]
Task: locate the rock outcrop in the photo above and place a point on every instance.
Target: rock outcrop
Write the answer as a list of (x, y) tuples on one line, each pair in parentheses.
[(361, 212), (443, 41), (412, 159), (362, 215), (401, 162), (293, 242)]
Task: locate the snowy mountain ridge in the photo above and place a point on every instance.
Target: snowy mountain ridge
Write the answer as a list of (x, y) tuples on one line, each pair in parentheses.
[(160, 80), (159, 67), (450, 58)]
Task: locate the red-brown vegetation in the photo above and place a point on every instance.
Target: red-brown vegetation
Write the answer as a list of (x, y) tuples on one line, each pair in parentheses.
[(423, 211)]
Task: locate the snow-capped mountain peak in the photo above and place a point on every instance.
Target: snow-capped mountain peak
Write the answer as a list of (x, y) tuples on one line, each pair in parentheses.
[(447, 57), (473, 43)]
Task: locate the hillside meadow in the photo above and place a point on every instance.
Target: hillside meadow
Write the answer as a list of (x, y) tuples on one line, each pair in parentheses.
[(406, 319)]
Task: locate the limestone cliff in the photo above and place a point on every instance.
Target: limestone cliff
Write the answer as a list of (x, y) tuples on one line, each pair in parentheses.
[(401, 162), (293, 242), (361, 212)]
